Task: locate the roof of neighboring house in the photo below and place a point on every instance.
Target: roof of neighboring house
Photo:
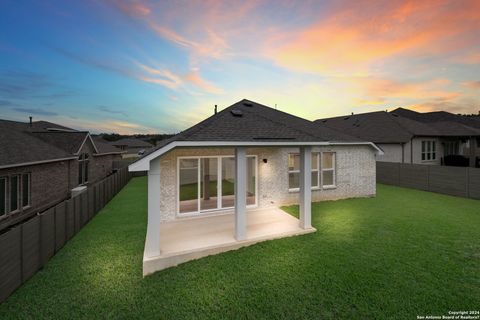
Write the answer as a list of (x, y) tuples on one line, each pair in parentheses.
[(18, 147), (378, 127), (22, 143), (131, 142), (68, 141), (251, 122), (104, 146), (438, 116), (385, 127)]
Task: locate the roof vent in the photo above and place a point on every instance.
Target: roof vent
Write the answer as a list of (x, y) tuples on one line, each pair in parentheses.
[(394, 114), (236, 112), (248, 104), (325, 120), (346, 118)]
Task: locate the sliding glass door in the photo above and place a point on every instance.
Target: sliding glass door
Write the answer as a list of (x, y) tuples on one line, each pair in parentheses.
[(208, 183)]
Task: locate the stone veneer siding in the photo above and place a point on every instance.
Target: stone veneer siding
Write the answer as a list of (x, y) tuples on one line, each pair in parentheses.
[(355, 175)]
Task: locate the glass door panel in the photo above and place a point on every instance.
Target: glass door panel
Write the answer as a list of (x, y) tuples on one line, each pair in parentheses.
[(228, 181), (208, 183), (188, 179), (251, 181)]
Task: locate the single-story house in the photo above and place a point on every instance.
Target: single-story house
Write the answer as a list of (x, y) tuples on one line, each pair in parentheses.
[(132, 147), (405, 140), (42, 162), (217, 186)]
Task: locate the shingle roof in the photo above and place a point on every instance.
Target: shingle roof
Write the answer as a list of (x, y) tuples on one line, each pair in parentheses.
[(22, 143), (19, 147), (103, 146), (256, 123), (68, 141), (438, 116), (384, 127), (131, 142)]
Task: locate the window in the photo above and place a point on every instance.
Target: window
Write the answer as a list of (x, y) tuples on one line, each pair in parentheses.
[(208, 183), (328, 169), (428, 150), (294, 170), (25, 190), (83, 168), (451, 148), (3, 196), (14, 192)]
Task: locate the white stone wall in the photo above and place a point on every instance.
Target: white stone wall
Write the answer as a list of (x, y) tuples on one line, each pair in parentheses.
[(355, 175)]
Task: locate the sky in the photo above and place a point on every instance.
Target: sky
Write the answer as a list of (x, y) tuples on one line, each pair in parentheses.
[(160, 67)]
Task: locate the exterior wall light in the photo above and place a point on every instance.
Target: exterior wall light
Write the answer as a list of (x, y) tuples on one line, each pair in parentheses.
[(265, 160)]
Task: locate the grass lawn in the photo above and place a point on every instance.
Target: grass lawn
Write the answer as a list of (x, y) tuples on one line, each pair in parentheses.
[(402, 254)]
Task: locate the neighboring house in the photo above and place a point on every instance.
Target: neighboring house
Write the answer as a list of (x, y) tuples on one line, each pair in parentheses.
[(41, 162), (409, 141), (132, 147), (244, 157)]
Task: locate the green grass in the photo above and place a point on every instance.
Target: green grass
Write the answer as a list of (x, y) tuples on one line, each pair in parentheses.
[(190, 191), (402, 254)]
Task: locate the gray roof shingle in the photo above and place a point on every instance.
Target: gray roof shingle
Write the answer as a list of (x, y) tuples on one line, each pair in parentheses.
[(385, 127), (256, 123), (22, 143), (438, 116)]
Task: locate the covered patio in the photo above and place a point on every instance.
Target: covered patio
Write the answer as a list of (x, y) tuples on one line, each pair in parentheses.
[(171, 243), (188, 239)]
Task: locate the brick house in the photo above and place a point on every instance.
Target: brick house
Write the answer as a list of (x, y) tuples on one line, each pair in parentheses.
[(41, 162)]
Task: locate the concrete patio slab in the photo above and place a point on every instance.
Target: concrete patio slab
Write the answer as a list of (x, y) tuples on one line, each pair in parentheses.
[(187, 239)]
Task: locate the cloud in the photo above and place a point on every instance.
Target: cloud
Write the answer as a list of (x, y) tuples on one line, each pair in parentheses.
[(353, 38), (472, 84), (7, 103), (110, 110), (36, 111), (194, 78)]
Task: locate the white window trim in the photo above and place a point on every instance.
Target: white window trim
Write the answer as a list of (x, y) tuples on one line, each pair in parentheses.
[(333, 169), (318, 186), (428, 151), (219, 178), (319, 171)]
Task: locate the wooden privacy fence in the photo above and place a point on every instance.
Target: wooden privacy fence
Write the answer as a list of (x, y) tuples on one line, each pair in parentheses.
[(27, 247), (455, 181)]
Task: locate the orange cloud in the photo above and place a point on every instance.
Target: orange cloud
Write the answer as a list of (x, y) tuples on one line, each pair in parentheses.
[(352, 39), (195, 79)]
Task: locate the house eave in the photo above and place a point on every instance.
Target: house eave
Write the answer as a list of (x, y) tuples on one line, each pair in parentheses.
[(24, 164), (143, 164)]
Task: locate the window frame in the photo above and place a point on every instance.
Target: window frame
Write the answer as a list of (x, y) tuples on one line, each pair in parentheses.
[(17, 176), (333, 169), (428, 150), (83, 165), (200, 212), (29, 191), (319, 170), (5, 200)]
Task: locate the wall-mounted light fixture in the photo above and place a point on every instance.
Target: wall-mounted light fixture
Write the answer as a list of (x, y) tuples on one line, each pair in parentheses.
[(265, 160)]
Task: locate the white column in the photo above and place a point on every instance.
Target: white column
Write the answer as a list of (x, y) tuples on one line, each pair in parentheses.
[(240, 193), (305, 187), (152, 244)]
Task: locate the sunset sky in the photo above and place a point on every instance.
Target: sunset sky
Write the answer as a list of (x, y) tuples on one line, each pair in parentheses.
[(144, 67)]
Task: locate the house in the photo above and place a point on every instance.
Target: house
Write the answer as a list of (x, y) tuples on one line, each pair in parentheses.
[(132, 147), (217, 186), (40, 164), (405, 140)]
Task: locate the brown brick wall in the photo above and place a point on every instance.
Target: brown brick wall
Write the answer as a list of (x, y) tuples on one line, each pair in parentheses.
[(49, 185)]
